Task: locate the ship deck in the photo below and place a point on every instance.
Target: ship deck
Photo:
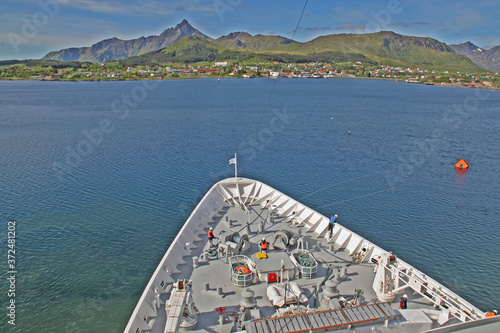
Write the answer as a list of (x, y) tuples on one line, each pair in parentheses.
[(337, 294), (223, 293)]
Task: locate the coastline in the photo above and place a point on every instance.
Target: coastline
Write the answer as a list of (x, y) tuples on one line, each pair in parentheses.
[(442, 84)]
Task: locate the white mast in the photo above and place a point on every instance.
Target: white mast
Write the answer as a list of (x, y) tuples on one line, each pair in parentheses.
[(235, 167), (235, 162)]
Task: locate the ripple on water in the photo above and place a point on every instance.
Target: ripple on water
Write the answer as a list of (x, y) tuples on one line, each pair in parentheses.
[(89, 242)]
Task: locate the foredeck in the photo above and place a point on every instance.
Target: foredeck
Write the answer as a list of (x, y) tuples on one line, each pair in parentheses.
[(338, 260), (223, 293)]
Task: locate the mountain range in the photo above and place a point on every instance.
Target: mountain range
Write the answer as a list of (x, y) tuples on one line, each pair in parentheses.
[(117, 49), (184, 43), (488, 59)]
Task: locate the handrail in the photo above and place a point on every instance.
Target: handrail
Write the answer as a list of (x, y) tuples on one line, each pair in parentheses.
[(435, 293)]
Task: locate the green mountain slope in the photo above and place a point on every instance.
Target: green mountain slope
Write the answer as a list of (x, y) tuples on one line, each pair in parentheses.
[(43, 63), (192, 49), (383, 47), (388, 48), (187, 50), (257, 42)]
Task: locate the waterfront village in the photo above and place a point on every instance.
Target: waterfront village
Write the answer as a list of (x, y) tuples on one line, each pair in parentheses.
[(117, 70)]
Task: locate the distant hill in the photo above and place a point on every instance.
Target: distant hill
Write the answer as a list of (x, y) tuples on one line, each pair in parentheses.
[(488, 59), (116, 49), (195, 49), (387, 47), (43, 63), (188, 49), (257, 42), (384, 47), (466, 48)]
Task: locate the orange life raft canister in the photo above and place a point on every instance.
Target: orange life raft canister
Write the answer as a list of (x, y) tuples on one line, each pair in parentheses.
[(242, 269)]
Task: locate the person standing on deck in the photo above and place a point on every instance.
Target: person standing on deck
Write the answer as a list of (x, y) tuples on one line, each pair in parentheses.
[(403, 303), (492, 313), (333, 220), (211, 236), (263, 246)]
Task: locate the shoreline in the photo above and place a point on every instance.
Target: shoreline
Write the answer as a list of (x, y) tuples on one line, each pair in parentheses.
[(443, 84)]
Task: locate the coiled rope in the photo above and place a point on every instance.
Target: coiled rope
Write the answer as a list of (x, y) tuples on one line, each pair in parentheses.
[(305, 259)]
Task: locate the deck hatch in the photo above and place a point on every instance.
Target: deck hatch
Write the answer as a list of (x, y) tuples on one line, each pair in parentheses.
[(320, 320)]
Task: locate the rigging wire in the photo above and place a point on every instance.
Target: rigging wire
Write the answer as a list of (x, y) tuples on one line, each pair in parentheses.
[(361, 196), (300, 18), (275, 82), (266, 110), (345, 181)]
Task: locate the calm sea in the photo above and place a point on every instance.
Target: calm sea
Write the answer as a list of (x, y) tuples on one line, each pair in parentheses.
[(100, 176)]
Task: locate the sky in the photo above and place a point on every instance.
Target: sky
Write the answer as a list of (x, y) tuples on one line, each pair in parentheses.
[(29, 29)]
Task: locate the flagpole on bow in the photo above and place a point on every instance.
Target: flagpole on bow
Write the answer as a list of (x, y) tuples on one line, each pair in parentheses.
[(235, 162), (235, 167)]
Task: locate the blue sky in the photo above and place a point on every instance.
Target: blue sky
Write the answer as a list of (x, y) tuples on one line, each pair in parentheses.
[(32, 28)]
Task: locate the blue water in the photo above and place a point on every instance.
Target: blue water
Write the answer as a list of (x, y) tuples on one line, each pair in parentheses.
[(91, 228)]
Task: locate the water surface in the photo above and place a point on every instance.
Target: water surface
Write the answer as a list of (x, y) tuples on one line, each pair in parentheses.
[(92, 227)]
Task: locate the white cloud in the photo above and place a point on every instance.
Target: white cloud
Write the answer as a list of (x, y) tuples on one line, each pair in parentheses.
[(350, 27), (158, 8)]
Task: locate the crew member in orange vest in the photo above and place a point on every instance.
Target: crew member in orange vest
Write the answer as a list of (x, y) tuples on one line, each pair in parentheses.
[(403, 303), (211, 236), (263, 245), (492, 313)]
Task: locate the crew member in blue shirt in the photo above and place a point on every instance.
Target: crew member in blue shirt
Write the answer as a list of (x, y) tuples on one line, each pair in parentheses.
[(333, 220)]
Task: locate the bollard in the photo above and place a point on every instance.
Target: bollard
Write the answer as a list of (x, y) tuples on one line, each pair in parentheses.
[(330, 289), (247, 299), (157, 300), (344, 274), (261, 227)]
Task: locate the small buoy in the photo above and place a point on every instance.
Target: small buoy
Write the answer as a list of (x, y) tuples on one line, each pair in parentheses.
[(331, 118), (461, 164)]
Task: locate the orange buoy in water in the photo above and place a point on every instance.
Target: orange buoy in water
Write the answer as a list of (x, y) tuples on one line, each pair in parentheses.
[(461, 164)]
